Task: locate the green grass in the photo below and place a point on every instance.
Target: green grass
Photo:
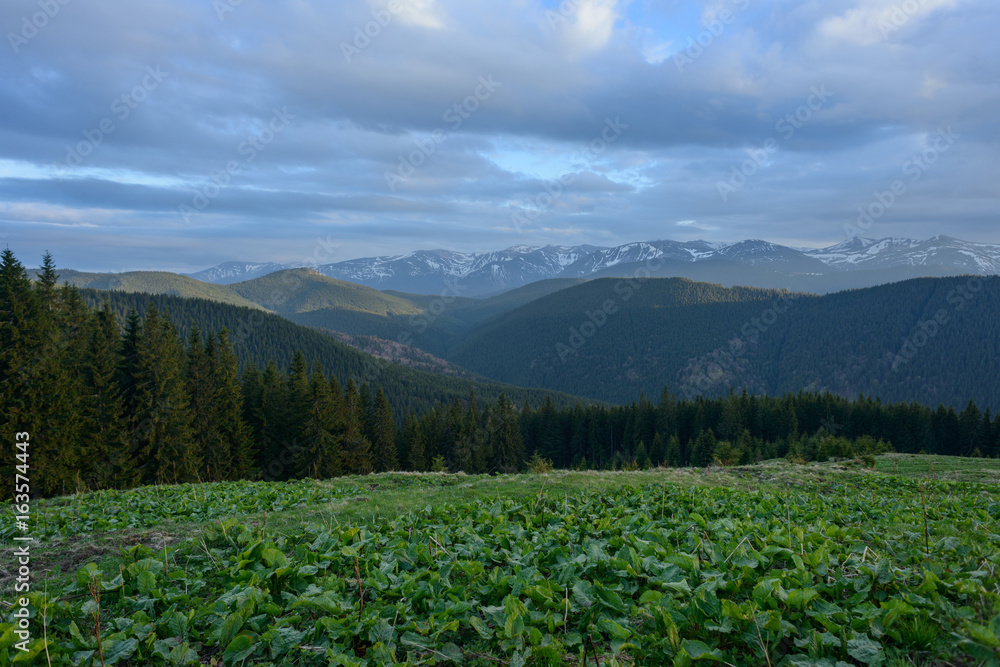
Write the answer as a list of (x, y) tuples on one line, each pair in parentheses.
[(951, 468), (788, 564)]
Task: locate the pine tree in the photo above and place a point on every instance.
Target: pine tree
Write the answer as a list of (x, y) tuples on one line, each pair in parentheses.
[(658, 452), (970, 430), (204, 403), (384, 455), (46, 283), (128, 363), (297, 405), (476, 438), (53, 389), (674, 455), (19, 312), (269, 411), (703, 450), (234, 433), (111, 463), (413, 443), (641, 457), (506, 442), (355, 448), (162, 433), (319, 455)]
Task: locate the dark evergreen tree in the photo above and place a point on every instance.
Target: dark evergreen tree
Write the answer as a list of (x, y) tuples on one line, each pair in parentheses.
[(319, 454), (413, 444), (506, 443), (384, 455), (204, 406), (162, 432), (110, 462), (234, 433), (703, 450), (355, 448)]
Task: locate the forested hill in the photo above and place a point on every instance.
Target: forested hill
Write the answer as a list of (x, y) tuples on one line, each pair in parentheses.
[(931, 340), (259, 337), (611, 338), (113, 406)]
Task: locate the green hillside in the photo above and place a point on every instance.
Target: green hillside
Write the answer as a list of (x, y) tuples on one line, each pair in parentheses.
[(314, 300), (305, 290), (152, 282)]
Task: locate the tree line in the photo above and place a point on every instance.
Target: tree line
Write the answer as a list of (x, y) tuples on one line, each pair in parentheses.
[(114, 404)]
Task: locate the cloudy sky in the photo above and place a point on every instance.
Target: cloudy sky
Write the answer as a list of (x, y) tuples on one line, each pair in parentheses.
[(179, 134)]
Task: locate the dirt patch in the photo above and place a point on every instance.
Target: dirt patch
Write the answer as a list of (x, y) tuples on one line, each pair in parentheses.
[(69, 555)]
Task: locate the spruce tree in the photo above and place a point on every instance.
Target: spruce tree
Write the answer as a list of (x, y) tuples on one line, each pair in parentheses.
[(641, 456), (319, 454), (275, 455), (111, 463), (204, 402), (476, 438), (233, 431), (413, 444), (658, 450), (384, 455), (355, 448), (298, 403), (54, 388), (162, 432), (703, 450), (19, 312), (506, 441)]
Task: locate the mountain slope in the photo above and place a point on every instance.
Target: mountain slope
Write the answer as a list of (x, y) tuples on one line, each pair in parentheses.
[(294, 291), (612, 339), (152, 282), (609, 338), (944, 251), (312, 299), (259, 337)]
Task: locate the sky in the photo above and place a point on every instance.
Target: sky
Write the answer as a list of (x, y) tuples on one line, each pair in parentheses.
[(178, 135)]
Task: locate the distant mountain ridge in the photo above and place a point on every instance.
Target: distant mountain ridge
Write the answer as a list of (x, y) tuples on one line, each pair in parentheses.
[(875, 261)]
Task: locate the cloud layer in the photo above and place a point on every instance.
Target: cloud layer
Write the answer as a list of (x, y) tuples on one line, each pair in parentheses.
[(181, 134)]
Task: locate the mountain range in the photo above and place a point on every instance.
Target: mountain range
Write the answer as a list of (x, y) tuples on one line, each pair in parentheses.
[(854, 263)]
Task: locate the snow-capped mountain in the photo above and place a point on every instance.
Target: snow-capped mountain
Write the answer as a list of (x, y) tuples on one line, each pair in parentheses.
[(632, 253), (855, 262), (942, 251), (235, 272)]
